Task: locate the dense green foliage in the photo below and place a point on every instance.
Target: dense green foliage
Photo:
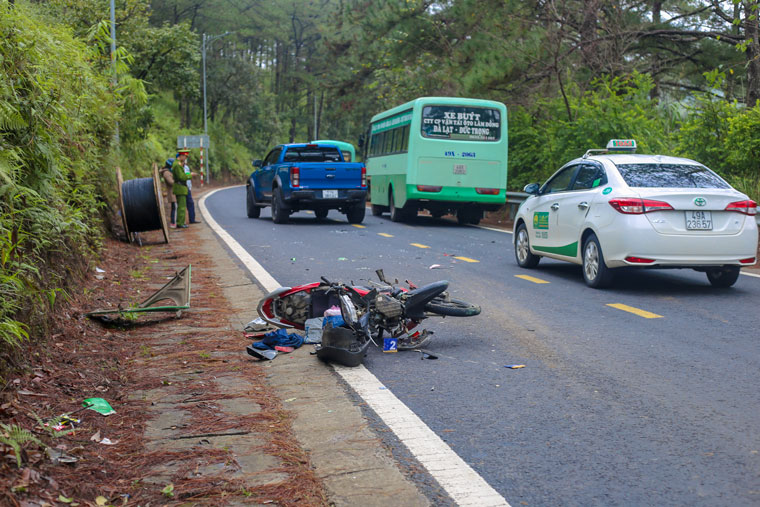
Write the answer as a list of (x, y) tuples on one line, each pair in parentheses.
[(613, 108), (56, 118)]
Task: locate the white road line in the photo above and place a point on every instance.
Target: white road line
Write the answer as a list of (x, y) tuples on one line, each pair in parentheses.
[(750, 274), (459, 480), (493, 229)]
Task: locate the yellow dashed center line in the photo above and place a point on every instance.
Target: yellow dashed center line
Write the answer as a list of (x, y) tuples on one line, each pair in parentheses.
[(359, 226), (418, 245), (636, 311), (466, 259), (385, 235), (531, 279)]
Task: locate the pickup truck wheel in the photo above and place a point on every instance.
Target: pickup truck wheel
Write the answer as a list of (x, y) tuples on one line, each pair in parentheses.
[(355, 214), (280, 213), (321, 214), (252, 210)]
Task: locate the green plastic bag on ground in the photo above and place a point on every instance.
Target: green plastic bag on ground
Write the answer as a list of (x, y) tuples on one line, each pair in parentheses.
[(99, 405)]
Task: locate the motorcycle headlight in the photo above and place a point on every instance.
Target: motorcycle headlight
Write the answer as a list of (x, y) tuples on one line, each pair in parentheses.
[(348, 309)]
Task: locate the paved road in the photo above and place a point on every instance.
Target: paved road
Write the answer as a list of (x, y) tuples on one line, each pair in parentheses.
[(652, 401)]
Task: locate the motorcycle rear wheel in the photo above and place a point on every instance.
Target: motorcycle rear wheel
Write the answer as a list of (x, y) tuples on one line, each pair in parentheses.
[(452, 308)]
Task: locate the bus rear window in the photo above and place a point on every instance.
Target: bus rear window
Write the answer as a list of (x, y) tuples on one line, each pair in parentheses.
[(670, 176), (461, 123)]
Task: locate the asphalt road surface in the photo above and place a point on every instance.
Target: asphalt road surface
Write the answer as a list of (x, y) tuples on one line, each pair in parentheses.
[(652, 401)]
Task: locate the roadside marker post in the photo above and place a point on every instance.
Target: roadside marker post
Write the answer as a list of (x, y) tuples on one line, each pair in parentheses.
[(201, 142)]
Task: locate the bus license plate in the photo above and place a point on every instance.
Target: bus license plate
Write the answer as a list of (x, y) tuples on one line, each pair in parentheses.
[(460, 169), (329, 194), (698, 220)]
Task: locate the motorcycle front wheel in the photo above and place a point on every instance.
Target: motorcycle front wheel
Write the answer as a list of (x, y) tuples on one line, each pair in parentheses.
[(452, 308)]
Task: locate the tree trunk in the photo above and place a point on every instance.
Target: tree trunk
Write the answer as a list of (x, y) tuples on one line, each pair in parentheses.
[(181, 103), (656, 20), (588, 34), (751, 33), (319, 112)]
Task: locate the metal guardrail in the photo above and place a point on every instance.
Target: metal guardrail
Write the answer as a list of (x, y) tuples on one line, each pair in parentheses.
[(514, 199)]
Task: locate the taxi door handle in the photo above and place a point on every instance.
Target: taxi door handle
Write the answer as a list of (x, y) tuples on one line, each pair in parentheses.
[(583, 205), (555, 206)]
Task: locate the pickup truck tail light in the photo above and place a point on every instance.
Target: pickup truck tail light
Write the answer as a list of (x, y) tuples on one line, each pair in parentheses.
[(295, 177), (636, 206), (744, 207), (364, 176)]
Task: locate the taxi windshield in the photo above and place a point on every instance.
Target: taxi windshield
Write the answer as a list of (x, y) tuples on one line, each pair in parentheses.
[(670, 176)]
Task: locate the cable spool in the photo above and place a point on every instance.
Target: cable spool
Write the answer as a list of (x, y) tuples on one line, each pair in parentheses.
[(142, 206)]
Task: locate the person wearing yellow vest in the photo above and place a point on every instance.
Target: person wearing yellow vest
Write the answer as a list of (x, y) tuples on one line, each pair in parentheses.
[(180, 185)]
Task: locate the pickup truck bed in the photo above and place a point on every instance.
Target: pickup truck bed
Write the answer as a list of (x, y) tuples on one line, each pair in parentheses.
[(296, 177)]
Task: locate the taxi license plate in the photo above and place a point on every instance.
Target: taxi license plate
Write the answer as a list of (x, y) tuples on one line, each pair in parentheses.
[(329, 194), (699, 220), (460, 169)]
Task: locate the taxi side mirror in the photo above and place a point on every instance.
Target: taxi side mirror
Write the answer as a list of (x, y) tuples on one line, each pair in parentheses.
[(532, 188)]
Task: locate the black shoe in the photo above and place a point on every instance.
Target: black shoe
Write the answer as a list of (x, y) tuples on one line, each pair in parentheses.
[(182, 226), (195, 222)]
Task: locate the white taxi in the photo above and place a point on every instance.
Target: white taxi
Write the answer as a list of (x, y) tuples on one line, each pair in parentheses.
[(606, 211)]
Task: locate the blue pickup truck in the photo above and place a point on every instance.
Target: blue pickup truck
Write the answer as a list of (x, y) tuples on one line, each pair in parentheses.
[(312, 176)]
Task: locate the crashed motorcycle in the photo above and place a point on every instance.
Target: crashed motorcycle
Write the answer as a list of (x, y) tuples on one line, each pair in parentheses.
[(368, 311)]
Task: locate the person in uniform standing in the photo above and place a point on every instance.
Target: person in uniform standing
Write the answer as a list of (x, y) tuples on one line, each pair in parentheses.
[(190, 203), (166, 173), (180, 185)]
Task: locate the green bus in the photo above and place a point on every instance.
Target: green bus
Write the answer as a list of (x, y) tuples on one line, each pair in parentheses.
[(441, 154)]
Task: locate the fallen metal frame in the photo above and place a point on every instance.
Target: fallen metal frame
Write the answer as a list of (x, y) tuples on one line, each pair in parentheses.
[(177, 289)]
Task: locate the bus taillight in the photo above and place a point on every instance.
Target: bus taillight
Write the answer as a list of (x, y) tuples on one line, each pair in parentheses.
[(429, 188), (364, 176), (487, 191)]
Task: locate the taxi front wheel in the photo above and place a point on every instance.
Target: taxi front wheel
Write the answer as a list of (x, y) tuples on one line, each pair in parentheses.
[(595, 271), (525, 259)]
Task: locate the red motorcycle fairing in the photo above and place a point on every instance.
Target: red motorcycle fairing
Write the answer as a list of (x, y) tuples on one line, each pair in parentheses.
[(267, 308)]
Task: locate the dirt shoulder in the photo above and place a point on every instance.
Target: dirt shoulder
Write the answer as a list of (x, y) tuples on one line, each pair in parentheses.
[(196, 419)]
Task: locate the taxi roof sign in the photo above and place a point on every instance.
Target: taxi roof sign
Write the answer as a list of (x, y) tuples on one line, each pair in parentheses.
[(628, 145), (622, 145)]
